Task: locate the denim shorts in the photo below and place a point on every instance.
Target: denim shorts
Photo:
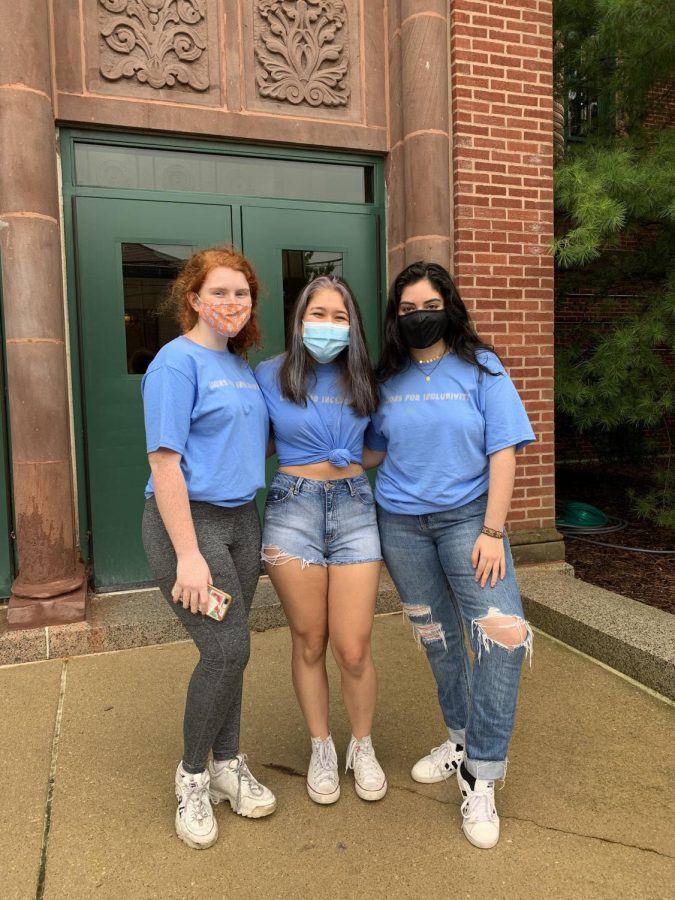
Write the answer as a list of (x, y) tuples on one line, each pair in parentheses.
[(323, 523)]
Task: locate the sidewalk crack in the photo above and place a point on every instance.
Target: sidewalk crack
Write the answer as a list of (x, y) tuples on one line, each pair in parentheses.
[(592, 837), (504, 818), (287, 770), (400, 787), (42, 871)]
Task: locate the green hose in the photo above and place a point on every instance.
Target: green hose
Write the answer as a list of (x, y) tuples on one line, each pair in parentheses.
[(581, 515), (580, 519)]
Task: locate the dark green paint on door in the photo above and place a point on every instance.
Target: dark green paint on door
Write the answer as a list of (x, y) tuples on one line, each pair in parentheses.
[(115, 439)]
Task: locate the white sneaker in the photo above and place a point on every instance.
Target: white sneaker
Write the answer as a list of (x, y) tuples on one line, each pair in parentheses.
[(235, 782), (369, 779), (323, 781), (440, 764), (195, 823), (481, 822)]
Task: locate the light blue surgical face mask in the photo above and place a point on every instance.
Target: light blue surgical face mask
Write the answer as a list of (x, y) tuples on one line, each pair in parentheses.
[(324, 340)]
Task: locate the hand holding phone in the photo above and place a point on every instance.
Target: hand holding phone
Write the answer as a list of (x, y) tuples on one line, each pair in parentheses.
[(219, 603), (192, 577)]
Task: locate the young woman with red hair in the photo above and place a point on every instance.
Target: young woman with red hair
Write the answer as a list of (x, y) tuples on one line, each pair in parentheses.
[(207, 428)]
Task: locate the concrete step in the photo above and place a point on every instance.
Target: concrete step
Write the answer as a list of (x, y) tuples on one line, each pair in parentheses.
[(123, 620), (628, 636), (631, 637)]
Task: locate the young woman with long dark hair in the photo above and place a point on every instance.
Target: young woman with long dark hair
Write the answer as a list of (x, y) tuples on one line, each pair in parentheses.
[(207, 428), (446, 432), (320, 539)]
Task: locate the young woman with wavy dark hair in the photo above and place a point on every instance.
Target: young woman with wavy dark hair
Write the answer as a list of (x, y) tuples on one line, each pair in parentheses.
[(320, 540), (446, 432), (207, 429)]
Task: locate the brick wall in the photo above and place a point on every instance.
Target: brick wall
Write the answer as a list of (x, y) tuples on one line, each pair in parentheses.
[(662, 107), (502, 137), (579, 317)]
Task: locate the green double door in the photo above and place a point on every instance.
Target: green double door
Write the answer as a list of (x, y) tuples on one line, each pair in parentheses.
[(128, 252)]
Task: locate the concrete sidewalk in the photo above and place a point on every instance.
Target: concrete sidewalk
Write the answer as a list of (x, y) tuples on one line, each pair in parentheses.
[(90, 745)]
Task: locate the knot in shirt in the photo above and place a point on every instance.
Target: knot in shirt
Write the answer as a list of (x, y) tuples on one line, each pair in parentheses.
[(325, 427), (340, 457)]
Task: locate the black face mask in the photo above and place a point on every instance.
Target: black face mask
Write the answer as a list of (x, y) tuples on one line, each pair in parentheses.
[(423, 328)]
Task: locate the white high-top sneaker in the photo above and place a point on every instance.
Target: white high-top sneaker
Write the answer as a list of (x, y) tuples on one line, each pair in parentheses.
[(481, 822), (440, 764), (235, 782), (369, 779), (195, 822), (323, 781)]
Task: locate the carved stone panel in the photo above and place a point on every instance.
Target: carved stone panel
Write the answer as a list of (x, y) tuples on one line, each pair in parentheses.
[(302, 56), (302, 51), (159, 49)]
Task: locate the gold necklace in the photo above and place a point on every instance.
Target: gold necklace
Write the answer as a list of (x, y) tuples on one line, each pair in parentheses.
[(433, 358), (436, 359)]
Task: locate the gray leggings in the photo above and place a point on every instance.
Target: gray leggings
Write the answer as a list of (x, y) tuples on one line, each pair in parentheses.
[(229, 541)]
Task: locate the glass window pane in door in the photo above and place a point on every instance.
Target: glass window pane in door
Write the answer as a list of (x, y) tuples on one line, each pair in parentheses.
[(299, 268), (141, 168), (148, 271)]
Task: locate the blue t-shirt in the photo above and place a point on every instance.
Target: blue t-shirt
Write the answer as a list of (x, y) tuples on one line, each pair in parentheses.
[(207, 406), (326, 429), (438, 434)]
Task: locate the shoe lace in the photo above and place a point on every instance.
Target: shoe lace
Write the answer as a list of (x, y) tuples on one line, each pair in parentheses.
[(445, 758), (479, 806), (440, 755), (363, 755), (324, 761), (245, 776), (197, 800)]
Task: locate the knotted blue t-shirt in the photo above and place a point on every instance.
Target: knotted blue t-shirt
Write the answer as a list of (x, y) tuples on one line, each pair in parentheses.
[(326, 429), (206, 405), (438, 434)]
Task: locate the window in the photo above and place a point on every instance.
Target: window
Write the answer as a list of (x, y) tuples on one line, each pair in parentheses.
[(299, 268), (211, 173), (581, 114), (147, 273)]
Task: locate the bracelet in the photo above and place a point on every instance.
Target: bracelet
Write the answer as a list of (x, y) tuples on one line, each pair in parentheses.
[(491, 532)]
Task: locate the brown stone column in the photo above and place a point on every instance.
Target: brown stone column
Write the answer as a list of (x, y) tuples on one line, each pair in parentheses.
[(419, 167), (394, 164), (50, 587)]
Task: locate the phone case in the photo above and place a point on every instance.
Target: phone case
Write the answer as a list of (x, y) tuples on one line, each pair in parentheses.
[(219, 603)]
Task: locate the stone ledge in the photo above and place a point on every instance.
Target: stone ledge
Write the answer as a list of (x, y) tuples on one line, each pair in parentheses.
[(121, 621), (536, 547), (633, 638)]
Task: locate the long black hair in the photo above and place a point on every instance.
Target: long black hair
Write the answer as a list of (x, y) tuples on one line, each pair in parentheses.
[(460, 334), (357, 374)]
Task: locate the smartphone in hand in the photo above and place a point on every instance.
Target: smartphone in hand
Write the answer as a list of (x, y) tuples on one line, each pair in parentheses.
[(219, 603)]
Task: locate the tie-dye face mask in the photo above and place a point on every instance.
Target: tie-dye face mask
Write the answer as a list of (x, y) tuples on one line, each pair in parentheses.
[(226, 318)]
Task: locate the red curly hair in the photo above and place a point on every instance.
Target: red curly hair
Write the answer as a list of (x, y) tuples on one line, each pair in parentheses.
[(190, 280)]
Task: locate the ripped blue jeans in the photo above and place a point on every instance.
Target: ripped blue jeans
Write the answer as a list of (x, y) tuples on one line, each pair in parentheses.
[(429, 559)]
